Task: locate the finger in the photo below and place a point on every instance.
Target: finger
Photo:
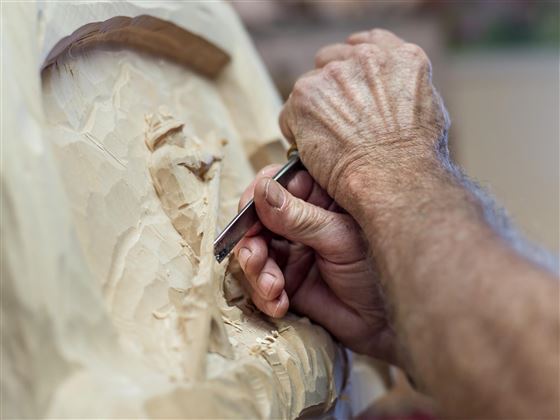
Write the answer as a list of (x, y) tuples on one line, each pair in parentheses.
[(317, 301), (286, 119), (279, 250), (252, 253), (301, 260), (276, 308), (247, 195), (383, 39), (269, 283), (265, 278), (299, 221), (303, 186), (335, 52)]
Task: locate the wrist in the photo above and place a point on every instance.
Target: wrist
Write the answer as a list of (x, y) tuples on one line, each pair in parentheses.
[(379, 169), (404, 179), (385, 203)]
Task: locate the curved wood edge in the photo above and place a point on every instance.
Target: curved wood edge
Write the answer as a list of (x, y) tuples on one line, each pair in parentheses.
[(148, 34)]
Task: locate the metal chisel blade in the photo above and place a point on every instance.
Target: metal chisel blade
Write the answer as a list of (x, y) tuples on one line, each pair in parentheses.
[(247, 217)]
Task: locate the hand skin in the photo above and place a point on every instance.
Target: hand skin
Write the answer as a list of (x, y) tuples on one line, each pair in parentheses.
[(473, 320), (314, 257)]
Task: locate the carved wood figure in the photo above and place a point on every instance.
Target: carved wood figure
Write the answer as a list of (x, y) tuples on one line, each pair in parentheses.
[(123, 161)]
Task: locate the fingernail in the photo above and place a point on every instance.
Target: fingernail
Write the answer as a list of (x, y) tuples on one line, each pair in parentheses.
[(244, 254), (280, 301), (274, 194), (266, 281)]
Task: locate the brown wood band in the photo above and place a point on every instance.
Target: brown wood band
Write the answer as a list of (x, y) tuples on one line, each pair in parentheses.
[(148, 34)]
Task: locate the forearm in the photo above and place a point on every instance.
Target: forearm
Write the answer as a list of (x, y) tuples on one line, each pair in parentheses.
[(478, 322)]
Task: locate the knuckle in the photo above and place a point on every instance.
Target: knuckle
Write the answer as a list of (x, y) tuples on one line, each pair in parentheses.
[(299, 217), (411, 48), (320, 56), (368, 53), (414, 50), (285, 117), (357, 37), (378, 33), (299, 87), (257, 300), (364, 50), (302, 88), (286, 123), (382, 34), (334, 69), (254, 264), (275, 286)]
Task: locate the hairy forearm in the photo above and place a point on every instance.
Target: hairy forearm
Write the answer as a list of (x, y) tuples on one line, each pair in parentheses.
[(478, 323)]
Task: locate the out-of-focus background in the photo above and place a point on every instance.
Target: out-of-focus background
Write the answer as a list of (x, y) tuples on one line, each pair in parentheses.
[(496, 64)]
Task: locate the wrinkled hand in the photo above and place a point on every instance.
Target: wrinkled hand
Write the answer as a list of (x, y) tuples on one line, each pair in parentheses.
[(367, 118), (368, 124), (309, 256)]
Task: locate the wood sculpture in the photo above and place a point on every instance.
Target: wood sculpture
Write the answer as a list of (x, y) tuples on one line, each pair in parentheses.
[(122, 164)]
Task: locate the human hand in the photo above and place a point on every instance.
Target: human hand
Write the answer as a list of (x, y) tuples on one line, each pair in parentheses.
[(308, 256), (367, 119)]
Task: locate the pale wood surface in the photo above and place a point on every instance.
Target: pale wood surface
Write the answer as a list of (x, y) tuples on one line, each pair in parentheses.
[(121, 169)]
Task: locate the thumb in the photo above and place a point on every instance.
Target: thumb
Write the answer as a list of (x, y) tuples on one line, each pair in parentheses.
[(298, 220)]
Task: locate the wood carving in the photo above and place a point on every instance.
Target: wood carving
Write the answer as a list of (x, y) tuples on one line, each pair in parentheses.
[(123, 165), (148, 34)]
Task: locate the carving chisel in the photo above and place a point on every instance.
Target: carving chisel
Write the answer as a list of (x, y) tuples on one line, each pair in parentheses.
[(247, 217)]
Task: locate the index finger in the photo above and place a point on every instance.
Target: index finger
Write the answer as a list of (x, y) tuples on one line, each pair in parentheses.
[(286, 120)]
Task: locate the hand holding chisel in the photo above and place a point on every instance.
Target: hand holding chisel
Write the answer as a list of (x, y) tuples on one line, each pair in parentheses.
[(247, 217)]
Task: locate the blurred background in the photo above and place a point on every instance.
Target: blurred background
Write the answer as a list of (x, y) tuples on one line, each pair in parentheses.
[(496, 64)]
